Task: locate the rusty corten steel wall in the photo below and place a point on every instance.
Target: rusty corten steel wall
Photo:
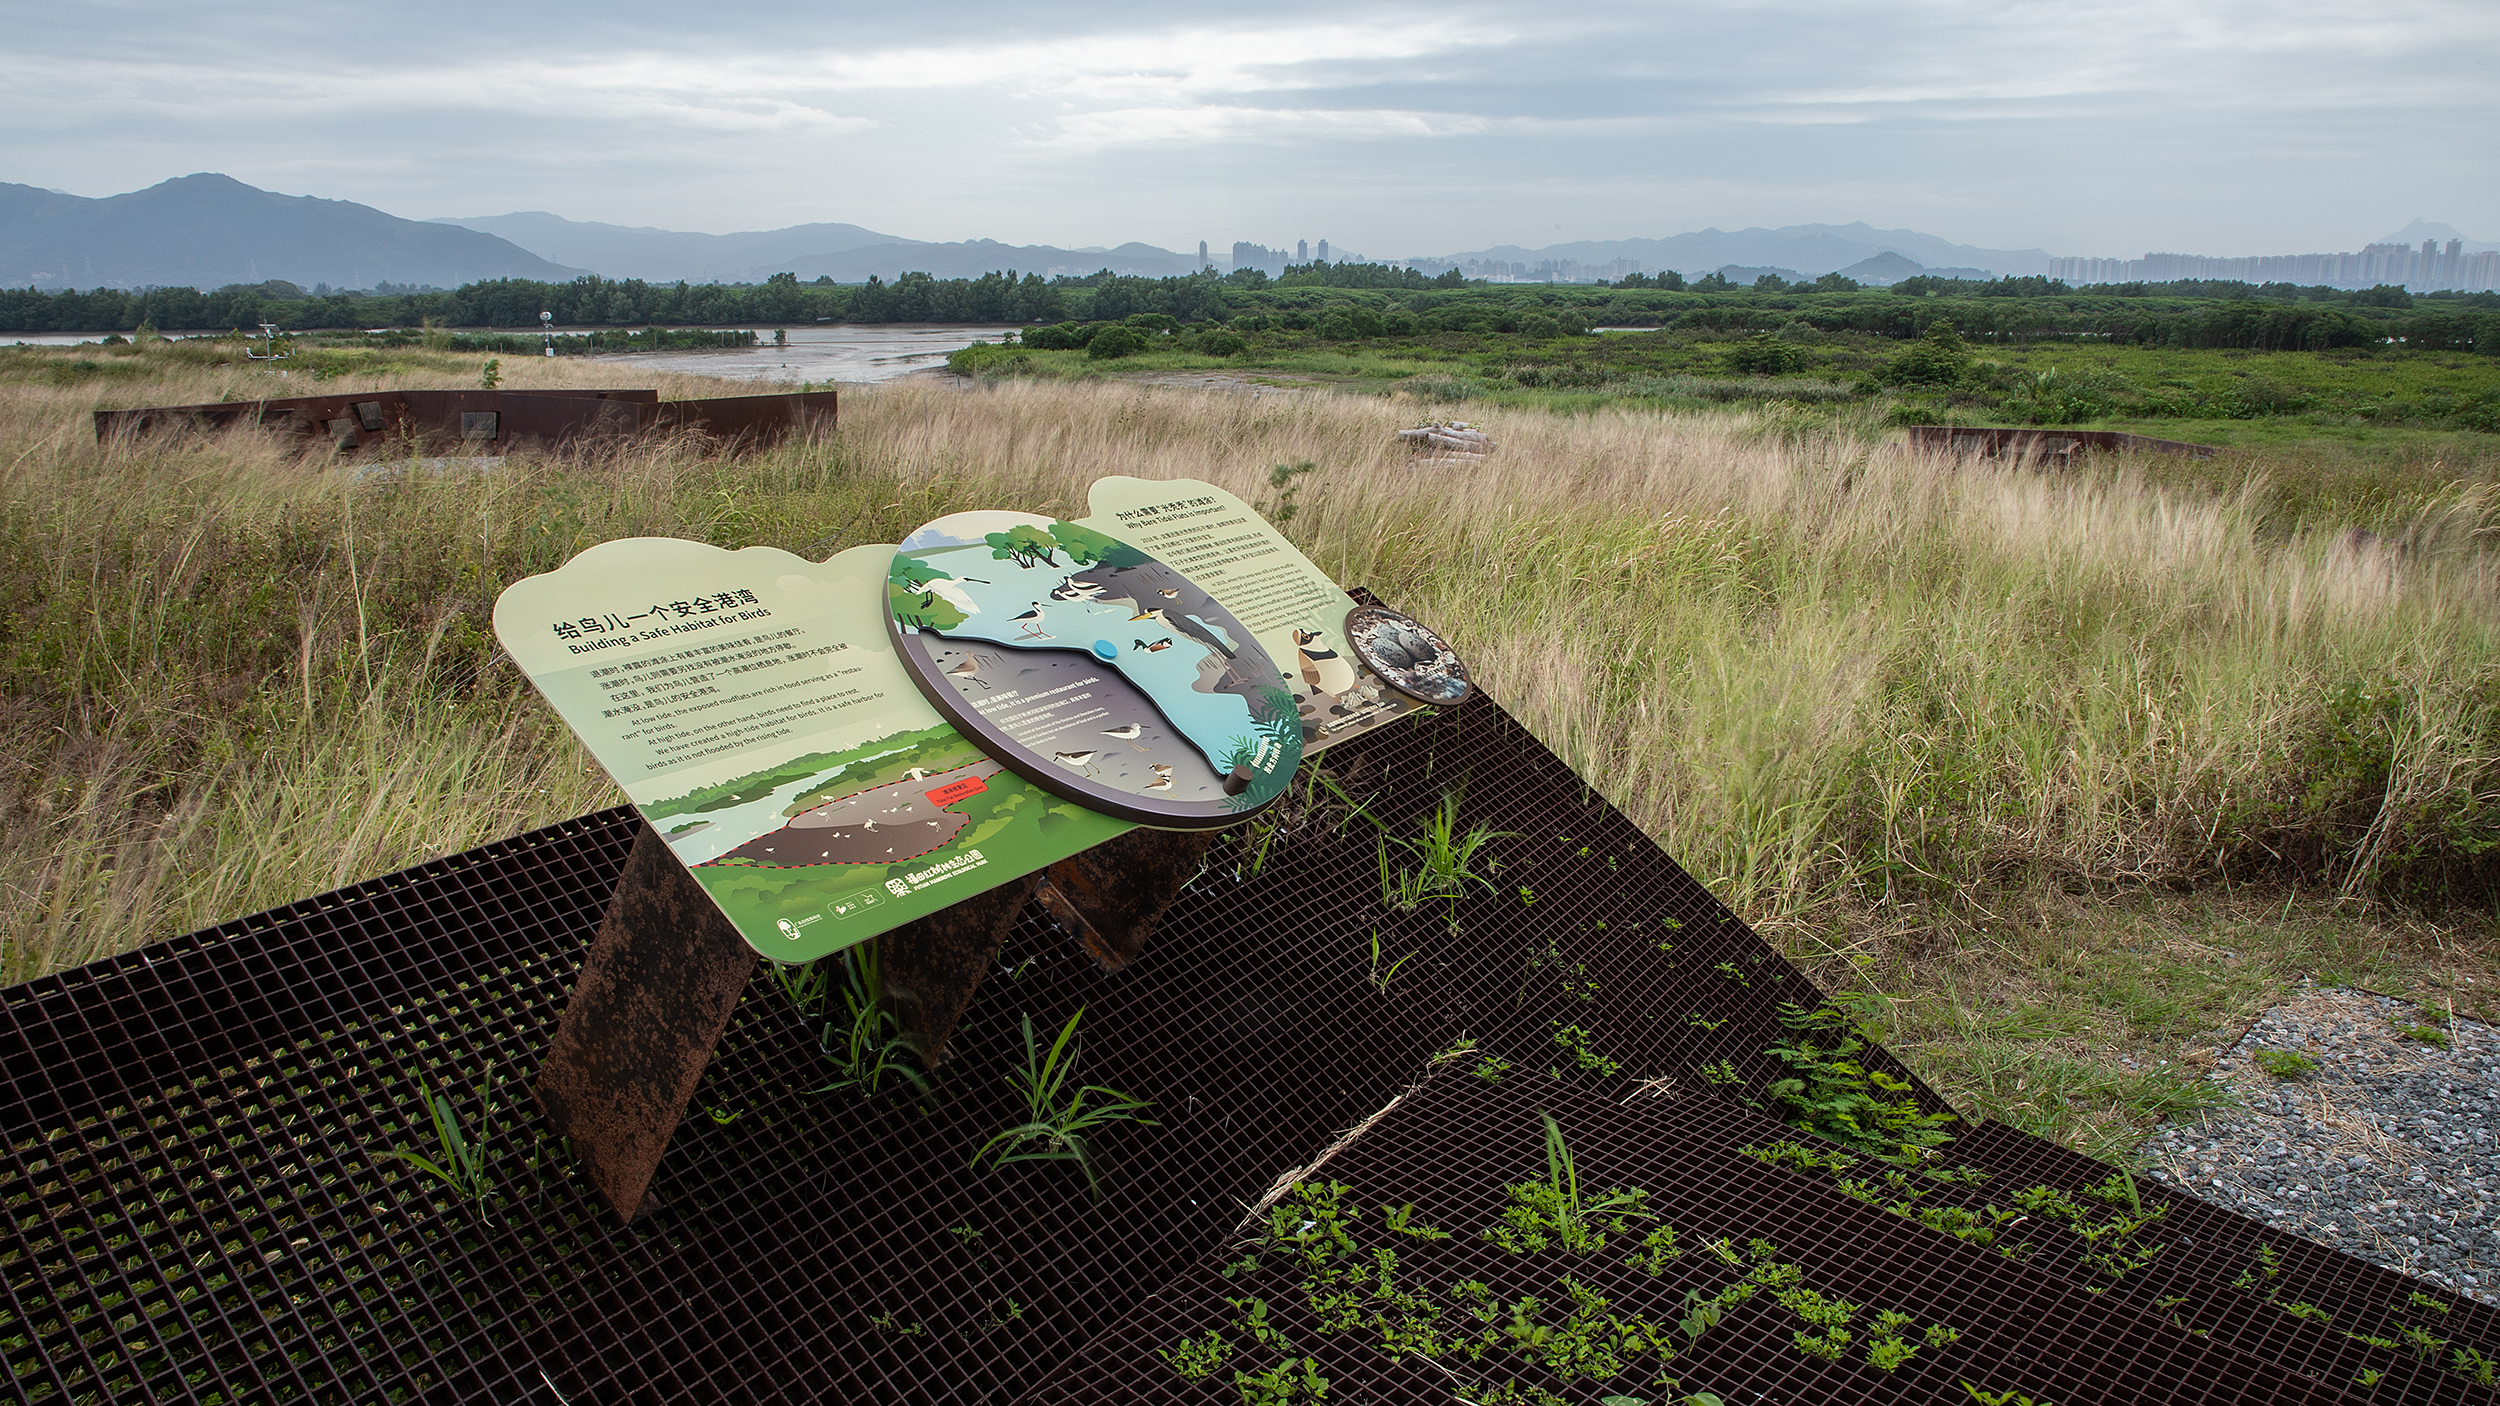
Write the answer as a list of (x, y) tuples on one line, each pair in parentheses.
[(194, 1210), (1954, 439), (504, 419)]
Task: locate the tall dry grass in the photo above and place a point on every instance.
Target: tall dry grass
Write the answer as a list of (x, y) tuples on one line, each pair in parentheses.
[(1826, 671), (1829, 675)]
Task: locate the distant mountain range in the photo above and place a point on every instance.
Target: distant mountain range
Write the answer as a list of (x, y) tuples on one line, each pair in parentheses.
[(1811, 250), (844, 253), (206, 231)]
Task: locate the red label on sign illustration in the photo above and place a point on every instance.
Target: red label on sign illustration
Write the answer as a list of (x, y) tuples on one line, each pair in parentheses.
[(954, 791)]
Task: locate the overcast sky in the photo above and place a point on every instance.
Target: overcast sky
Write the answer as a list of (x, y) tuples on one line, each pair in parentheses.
[(2108, 128)]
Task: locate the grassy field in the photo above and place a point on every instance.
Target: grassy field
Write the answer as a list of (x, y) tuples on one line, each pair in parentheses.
[(2069, 774)]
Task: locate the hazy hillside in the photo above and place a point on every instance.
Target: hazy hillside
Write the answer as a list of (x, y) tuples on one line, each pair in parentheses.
[(1810, 249), (667, 255), (844, 253), (206, 231), (974, 257)]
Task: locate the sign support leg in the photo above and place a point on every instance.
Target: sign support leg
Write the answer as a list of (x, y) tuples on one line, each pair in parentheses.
[(655, 992)]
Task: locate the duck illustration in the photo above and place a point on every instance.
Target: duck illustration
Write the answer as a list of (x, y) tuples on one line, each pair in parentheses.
[(1030, 623), (968, 668), (1079, 761), (1146, 648)]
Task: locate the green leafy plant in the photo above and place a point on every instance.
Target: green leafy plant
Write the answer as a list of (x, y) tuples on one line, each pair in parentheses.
[(1576, 1040), (1830, 1090), (1197, 1359), (1553, 1213), (462, 1164), (2427, 1034), (1058, 1124), (2284, 1064)]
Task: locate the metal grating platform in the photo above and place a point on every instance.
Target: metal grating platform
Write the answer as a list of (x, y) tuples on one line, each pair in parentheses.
[(193, 1212)]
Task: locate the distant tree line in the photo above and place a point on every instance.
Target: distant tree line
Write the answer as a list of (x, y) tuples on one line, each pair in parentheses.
[(1345, 302)]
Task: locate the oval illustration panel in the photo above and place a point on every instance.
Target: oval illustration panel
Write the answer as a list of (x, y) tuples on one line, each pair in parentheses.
[(1092, 669)]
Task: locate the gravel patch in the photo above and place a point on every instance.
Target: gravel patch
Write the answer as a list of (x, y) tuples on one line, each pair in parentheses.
[(2389, 1149)]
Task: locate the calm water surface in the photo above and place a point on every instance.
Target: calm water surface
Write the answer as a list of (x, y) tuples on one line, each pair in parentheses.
[(819, 354)]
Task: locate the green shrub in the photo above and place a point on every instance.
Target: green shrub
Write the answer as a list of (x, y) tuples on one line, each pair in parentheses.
[(1765, 355), (1114, 342), (1940, 358)]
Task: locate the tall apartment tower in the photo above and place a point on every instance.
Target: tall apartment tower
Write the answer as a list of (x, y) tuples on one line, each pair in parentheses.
[(1302, 251), (1323, 251)]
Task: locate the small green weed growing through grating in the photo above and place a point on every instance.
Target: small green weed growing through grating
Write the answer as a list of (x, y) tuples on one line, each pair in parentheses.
[(1447, 860), (462, 1168), (1831, 1091), (1576, 1040), (863, 1041), (1565, 1333), (1058, 1124), (1552, 1213), (1380, 979), (2007, 1397)]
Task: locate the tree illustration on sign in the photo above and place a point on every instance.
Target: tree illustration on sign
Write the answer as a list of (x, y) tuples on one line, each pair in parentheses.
[(1025, 545), (907, 593), (1086, 547)]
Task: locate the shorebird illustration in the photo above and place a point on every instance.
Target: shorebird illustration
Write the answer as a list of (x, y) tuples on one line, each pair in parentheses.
[(1167, 593), (1070, 588), (1128, 733), (968, 668), (1163, 778), (918, 773), (1030, 623), (1080, 761)]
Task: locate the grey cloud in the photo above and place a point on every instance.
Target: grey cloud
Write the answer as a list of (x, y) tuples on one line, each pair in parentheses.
[(2109, 129)]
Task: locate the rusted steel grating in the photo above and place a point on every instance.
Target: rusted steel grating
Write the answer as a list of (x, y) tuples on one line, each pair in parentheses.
[(201, 1215), (484, 421)]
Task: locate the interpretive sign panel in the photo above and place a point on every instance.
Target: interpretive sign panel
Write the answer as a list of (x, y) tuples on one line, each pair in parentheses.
[(751, 706), (1093, 669)]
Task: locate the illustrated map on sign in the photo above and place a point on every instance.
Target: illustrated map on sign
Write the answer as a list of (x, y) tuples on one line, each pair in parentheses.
[(1101, 673)]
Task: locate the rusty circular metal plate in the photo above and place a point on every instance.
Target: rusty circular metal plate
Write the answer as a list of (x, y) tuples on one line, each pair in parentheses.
[(1408, 656)]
